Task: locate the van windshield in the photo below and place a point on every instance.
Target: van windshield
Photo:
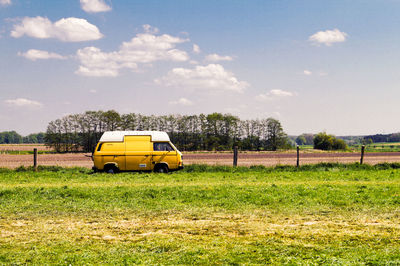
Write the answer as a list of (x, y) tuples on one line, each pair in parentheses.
[(162, 146)]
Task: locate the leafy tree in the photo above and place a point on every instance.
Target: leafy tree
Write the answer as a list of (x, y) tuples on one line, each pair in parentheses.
[(366, 141), (301, 140), (34, 138), (309, 138), (10, 137), (111, 119), (305, 139), (339, 144), (323, 141), (276, 138)]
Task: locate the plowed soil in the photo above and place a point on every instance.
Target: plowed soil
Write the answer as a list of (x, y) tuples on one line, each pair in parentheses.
[(273, 158), (244, 159), (23, 147)]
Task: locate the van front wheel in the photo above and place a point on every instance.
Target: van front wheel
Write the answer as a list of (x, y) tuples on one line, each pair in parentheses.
[(161, 168)]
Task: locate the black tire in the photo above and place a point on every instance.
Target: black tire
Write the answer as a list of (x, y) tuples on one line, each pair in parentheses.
[(162, 168), (110, 169)]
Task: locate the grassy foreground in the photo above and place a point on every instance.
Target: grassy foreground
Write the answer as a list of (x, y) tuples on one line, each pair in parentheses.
[(328, 214)]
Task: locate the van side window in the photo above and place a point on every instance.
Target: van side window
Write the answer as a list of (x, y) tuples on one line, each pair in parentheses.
[(99, 148), (162, 146)]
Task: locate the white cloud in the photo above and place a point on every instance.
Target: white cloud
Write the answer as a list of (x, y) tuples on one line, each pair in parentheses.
[(22, 102), (322, 74), (328, 37), (95, 63), (94, 6), (212, 76), (217, 58), (34, 55), (145, 48), (5, 2), (309, 73), (93, 91), (182, 101), (274, 94), (280, 93), (66, 29), (196, 49), (150, 29), (149, 42)]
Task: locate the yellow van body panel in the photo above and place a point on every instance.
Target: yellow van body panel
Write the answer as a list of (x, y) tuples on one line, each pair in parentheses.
[(138, 151), (135, 152), (138, 143)]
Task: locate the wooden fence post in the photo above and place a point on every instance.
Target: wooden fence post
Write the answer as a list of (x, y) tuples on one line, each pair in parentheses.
[(35, 154), (362, 154), (298, 157), (235, 156)]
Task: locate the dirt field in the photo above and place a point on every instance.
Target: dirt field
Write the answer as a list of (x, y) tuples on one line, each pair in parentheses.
[(23, 147), (245, 159), (271, 159)]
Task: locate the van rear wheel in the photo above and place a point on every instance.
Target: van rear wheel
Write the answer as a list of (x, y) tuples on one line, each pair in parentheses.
[(110, 169), (161, 168)]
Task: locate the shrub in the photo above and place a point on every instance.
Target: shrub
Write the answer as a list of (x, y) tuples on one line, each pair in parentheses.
[(323, 141)]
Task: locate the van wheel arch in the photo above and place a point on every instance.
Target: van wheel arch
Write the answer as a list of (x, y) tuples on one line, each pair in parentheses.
[(161, 168)]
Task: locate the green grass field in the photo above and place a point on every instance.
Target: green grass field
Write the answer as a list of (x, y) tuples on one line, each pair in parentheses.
[(378, 147), (324, 214)]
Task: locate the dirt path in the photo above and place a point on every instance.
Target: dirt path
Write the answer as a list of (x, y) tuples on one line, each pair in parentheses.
[(245, 159)]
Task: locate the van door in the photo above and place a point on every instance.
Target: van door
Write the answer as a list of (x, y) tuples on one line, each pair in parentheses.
[(164, 152), (138, 153)]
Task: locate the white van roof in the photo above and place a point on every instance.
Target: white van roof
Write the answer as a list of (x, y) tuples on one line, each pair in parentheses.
[(119, 135)]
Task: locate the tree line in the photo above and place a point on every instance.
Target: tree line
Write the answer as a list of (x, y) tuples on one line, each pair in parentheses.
[(216, 131), (12, 137), (394, 137)]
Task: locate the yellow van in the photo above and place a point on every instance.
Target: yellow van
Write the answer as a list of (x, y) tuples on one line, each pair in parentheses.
[(136, 151)]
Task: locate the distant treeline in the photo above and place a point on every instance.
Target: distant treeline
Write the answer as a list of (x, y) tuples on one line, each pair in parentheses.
[(81, 132), (394, 137), (308, 139), (12, 137), (321, 141)]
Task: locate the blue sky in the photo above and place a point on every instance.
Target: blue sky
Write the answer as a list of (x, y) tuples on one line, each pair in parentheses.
[(315, 65)]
